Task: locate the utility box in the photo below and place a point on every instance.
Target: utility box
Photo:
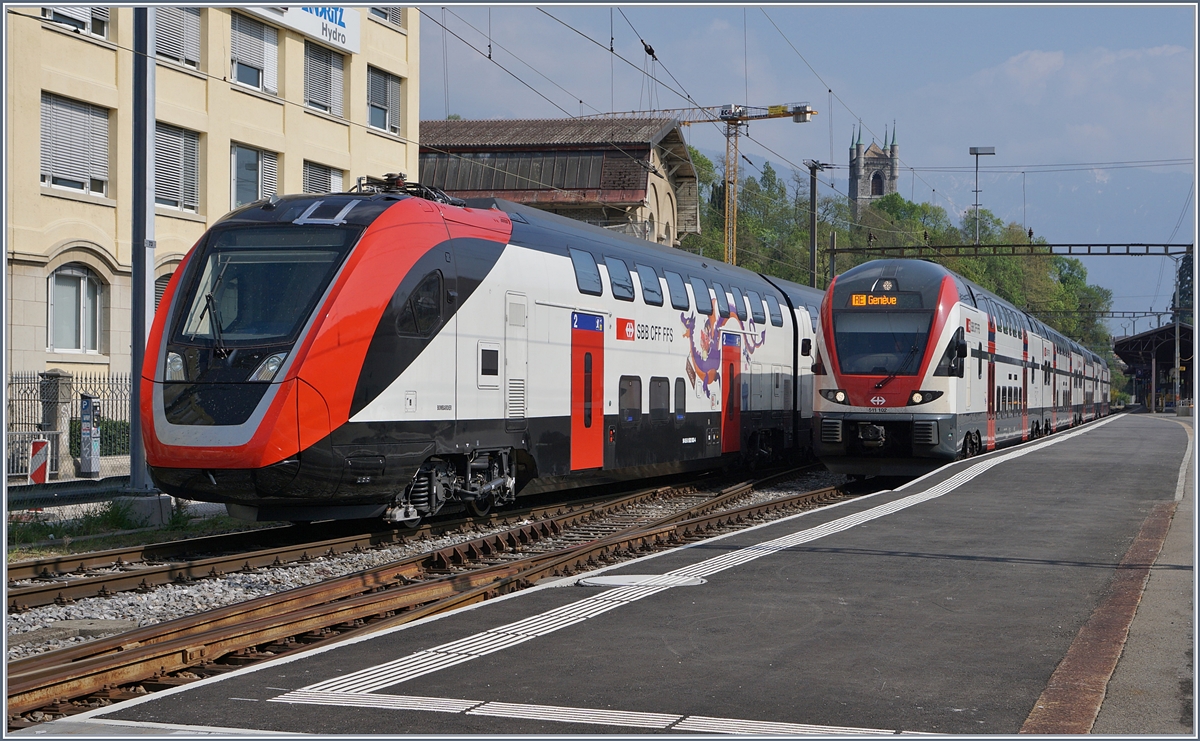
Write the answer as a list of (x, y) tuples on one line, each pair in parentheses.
[(89, 432)]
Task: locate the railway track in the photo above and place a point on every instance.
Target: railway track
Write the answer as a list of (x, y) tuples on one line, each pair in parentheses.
[(64, 579), (74, 679)]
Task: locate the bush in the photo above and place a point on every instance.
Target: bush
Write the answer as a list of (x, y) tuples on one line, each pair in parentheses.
[(114, 437)]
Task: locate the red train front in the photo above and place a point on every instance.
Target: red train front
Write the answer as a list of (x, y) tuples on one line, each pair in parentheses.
[(917, 366)]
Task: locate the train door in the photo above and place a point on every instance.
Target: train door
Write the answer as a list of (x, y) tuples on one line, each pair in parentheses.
[(731, 390), (587, 391), (777, 390), (1023, 399), (990, 441), (516, 359)]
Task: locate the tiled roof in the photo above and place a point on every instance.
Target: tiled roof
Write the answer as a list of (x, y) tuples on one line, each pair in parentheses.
[(545, 132)]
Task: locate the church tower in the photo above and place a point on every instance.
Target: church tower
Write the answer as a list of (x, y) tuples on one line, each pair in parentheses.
[(874, 170)]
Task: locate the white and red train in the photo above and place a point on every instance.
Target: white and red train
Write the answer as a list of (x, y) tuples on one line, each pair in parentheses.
[(916, 366), (381, 354)]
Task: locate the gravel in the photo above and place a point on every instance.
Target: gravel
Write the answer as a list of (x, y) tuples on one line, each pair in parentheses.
[(179, 600)]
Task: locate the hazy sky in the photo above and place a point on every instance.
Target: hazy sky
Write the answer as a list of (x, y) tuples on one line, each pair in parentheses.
[(1091, 109)]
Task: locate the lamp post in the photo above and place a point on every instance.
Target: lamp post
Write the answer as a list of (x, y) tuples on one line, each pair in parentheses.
[(977, 151)]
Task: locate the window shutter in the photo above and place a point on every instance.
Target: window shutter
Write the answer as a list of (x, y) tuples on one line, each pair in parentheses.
[(100, 14), (177, 166), (313, 176), (191, 35), (81, 13), (393, 103), (74, 139), (335, 181), (323, 78), (396, 16), (377, 88), (169, 33), (267, 169), (257, 45), (168, 162), (160, 287)]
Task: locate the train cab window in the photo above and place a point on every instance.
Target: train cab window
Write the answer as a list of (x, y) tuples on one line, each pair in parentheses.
[(660, 399), (629, 401), (421, 312), (776, 312), (700, 291), (756, 308), (619, 278), (651, 288), (722, 299), (739, 302), (680, 401), (679, 297), (587, 275)]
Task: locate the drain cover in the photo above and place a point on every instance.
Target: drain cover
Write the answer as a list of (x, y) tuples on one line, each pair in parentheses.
[(641, 580)]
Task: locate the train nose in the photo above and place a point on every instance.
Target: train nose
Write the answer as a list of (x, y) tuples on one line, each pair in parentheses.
[(872, 436)]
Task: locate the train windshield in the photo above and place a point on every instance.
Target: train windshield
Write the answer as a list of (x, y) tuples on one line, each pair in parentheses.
[(870, 343), (258, 285)]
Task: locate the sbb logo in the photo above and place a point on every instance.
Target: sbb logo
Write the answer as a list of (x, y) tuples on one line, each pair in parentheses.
[(626, 329)]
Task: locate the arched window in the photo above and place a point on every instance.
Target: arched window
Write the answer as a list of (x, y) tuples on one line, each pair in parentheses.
[(877, 184), (74, 315), (160, 287), (651, 233)]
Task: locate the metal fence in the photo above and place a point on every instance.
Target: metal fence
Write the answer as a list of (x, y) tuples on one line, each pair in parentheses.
[(48, 406)]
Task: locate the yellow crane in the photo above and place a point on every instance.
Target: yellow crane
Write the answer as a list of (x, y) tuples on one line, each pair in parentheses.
[(735, 117)]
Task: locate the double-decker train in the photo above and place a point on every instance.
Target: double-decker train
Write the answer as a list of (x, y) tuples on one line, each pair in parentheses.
[(388, 352), (916, 366)]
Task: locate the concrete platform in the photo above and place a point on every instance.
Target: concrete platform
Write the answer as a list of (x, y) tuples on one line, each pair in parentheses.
[(944, 606)]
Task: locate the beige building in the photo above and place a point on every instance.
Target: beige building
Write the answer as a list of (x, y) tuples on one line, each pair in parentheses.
[(249, 102)]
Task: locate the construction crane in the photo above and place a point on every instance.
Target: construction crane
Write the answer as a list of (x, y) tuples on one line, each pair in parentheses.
[(735, 117)]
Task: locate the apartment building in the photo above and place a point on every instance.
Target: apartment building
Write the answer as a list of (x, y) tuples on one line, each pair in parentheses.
[(249, 102)]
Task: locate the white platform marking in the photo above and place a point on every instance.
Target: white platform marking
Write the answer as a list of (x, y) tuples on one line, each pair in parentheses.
[(506, 636)]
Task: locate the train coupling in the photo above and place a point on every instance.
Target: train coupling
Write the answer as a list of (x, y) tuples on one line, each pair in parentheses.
[(871, 435)]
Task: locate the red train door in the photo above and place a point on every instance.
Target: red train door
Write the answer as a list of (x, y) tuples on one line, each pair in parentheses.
[(990, 442), (731, 388), (587, 391)]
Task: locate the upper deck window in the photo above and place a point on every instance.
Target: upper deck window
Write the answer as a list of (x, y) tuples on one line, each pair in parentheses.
[(651, 288), (587, 275)]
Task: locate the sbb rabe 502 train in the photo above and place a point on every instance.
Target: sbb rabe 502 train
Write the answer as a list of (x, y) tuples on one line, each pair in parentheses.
[(916, 366), (378, 353)]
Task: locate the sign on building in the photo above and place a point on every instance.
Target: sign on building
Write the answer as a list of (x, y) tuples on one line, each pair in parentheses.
[(331, 25)]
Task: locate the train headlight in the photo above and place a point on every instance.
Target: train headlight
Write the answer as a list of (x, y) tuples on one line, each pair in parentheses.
[(267, 369), (837, 396), (923, 397), (175, 367)]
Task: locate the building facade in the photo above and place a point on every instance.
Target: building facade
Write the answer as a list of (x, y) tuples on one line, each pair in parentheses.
[(632, 175), (874, 171), (248, 103)]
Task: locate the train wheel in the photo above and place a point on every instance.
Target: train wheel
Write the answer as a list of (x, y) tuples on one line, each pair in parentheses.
[(480, 507)]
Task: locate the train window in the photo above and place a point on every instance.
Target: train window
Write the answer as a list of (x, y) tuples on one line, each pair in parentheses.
[(679, 297), (680, 401), (756, 308), (619, 278), (739, 302), (704, 301), (651, 288), (587, 389), (979, 354), (776, 312), (489, 362), (660, 399), (722, 299), (422, 310), (814, 316), (630, 399), (587, 275)]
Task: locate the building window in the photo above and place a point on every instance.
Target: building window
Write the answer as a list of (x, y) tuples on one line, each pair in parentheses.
[(255, 57), (392, 14), (177, 34), (74, 310), (322, 79), (80, 17), (176, 167), (74, 145), (383, 100), (160, 287), (253, 174), (876, 184), (321, 179)]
